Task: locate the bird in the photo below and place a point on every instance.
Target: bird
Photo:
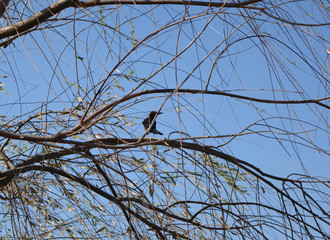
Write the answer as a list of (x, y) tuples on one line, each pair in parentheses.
[(146, 123)]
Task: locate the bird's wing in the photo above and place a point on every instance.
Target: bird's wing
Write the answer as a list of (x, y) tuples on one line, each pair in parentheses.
[(145, 121)]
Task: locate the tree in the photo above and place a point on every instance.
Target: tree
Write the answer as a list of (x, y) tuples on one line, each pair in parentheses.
[(244, 91)]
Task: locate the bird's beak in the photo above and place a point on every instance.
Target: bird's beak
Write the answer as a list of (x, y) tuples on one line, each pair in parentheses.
[(160, 113)]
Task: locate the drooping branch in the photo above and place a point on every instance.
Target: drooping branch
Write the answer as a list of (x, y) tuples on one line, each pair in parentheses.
[(35, 20), (115, 199), (93, 3), (60, 5), (7, 176), (81, 126), (119, 200)]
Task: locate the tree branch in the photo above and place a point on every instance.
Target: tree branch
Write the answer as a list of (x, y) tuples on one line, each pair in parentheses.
[(60, 5), (7, 176), (77, 129)]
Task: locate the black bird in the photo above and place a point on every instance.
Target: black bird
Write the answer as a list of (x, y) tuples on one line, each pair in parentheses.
[(146, 123)]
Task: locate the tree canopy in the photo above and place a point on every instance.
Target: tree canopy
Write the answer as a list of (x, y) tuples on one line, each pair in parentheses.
[(243, 87)]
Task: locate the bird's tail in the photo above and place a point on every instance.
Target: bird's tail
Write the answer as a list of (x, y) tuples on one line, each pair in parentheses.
[(157, 132)]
